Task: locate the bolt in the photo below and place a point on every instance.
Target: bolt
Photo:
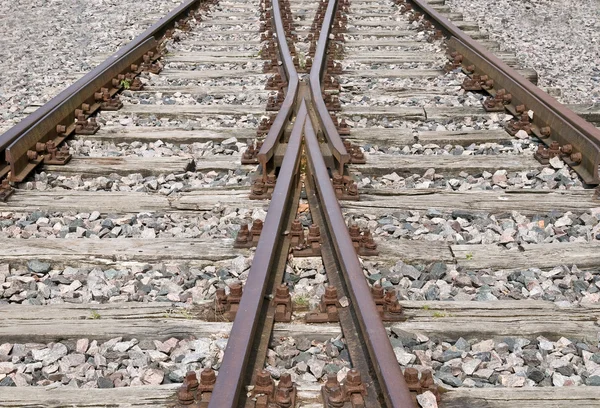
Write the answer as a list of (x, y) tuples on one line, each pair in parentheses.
[(192, 380), (353, 377)]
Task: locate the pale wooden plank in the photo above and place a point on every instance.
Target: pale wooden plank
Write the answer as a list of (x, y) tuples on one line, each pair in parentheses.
[(584, 255), (216, 91), (401, 137), (109, 251), (411, 251), (191, 111), (447, 321), (447, 164), (542, 397), (120, 134), (116, 202), (103, 166), (414, 113), (492, 202), (213, 73), (392, 73)]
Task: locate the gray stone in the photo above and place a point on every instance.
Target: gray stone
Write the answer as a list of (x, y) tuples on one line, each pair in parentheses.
[(37, 266), (448, 378)]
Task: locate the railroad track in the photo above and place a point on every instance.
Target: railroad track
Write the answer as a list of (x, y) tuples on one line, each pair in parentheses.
[(310, 203)]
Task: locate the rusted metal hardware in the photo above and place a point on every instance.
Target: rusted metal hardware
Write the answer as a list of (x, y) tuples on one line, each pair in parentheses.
[(275, 101), (477, 83), (250, 154), (6, 190), (305, 245), (454, 62), (389, 376), (275, 83), (269, 395), (387, 304), (418, 385), (263, 189), (363, 241), (282, 301), (107, 100), (248, 237), (496, 103), (264, 126), (227, 305), (345, 188), (356, 154), (51, 153), (350, 393), (328, 308), (566, 127), (524, 124), (192, 394), (41, 126)]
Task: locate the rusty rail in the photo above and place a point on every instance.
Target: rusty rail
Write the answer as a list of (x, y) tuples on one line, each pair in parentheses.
[(388, 372), (267, 151), (552, 121), (233, 371), (41, 125), (332, 136)]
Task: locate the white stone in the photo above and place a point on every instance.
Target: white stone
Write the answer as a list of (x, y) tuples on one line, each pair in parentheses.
[(427, 400)]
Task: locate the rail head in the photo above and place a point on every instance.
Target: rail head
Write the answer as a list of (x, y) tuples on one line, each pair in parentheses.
[(41, 124), (387, 369), (267, 151), (241, 339), (316, 75), (566, 127)]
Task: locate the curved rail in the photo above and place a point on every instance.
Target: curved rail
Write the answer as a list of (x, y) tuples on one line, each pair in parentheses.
[(566, 126), (268, 148), (333, 137), (242, 336), (387, 369), (41, 124)]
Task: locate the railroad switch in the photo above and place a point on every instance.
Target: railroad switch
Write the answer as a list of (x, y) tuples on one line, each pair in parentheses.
[(250, 155), (6, 190), (262, 190), (269, 395), (283, 304), (363, 242), (419, 386), (194, 394), (387, 304), (305, 245), (350, 393), (356, 154), (248, 238), (328, 308), (228, 305), (345, 188)]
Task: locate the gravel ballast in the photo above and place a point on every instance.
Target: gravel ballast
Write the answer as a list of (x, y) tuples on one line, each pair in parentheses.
[(46, 42), (560, 40)]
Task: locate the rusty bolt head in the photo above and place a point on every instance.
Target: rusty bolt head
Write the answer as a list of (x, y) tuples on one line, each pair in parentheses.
[(235, 289), (263, 379), (330, 292), (31, 155), (331, 382), (411, 376), (192, 380), (576, 157), (427, 379), (257, 226), (184, 395), (354, 230), (545, 131), (353, 377), (554, 146), (282, 291), (285, 381), (296, 226), (283, 398), (314, 231), (208, 376), (335, 398), (377, 291), (567, 148)]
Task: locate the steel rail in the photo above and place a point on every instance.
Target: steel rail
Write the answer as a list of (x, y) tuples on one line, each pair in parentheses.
[(267, 151), (60, 108), (386, 367), (231, 376), (319, 63), (566, 126)]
